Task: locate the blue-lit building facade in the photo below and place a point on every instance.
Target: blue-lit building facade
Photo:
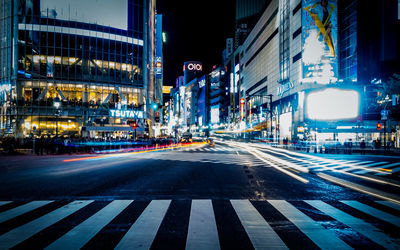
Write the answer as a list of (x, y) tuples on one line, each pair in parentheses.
[(67, 64), (299, 47)]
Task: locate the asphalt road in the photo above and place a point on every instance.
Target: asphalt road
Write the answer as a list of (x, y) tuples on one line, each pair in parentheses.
[(227, 196)]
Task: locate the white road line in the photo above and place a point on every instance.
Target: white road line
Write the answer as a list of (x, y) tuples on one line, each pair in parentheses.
[(261, 234), (4, 203), (322, 237), (12, 213), (370, 167), (352, 163), (25, 231), (144, 230), (202, 232), (391, 165), (374, 212), (390, 204), (81, 234), (356, 224)]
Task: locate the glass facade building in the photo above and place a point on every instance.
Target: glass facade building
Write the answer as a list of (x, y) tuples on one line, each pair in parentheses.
[(63, 72)]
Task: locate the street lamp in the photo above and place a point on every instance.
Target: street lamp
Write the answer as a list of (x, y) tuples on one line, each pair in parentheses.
[(57, 105)]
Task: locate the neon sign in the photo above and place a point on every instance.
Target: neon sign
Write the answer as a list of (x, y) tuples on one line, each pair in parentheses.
[(194, 67), (126, 113), (241, 109)]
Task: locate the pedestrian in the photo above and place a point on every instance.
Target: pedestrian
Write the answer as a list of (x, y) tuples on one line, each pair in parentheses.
[(362, 146)]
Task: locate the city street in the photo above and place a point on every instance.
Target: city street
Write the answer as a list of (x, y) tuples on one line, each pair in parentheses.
[(230, 195)]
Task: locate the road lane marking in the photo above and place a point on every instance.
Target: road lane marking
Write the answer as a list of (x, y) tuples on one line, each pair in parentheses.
[(12, 213), (144, 230), (322, 237), (369, 231), (202, 232), (281, 169), (390, 204), (82, 233), (392, 165), (370, 167), (373, 212), (261, 234), (361, 188), (25, 231), (2, 203)]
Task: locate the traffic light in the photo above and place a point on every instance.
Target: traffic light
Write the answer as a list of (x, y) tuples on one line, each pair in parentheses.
[(154, 106), (378, 126), (134, 125)]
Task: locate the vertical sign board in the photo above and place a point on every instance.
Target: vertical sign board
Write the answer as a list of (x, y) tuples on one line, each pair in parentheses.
[(319, 41), (159, 52), (229, 46), (241, 109)]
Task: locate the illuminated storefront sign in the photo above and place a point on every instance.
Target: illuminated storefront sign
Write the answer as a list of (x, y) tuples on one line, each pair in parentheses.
[(126, 113), (195, 67), (284, 88), (319, 40), (241, 109)]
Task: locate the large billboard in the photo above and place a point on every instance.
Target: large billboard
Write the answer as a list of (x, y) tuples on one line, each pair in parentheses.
[(102, 12), (332, 104), (319, 40)]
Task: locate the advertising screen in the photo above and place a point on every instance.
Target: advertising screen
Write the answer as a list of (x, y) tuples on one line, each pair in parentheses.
[(215, 114), (332, 104), (319, 40), (102, 12)]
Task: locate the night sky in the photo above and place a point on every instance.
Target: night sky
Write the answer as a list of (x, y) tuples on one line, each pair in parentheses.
[(196, 31)]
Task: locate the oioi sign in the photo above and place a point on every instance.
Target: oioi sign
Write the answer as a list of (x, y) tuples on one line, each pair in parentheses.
[(126, 113)]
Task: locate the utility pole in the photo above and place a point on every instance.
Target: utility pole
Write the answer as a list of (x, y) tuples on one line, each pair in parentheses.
[(270, 112)]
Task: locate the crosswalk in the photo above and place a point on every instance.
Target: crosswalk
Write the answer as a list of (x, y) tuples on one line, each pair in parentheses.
[(210, 224), (318, 164), (379, 168)]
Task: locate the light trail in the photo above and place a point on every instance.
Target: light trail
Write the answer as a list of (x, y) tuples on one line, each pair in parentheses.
[(137, 151)]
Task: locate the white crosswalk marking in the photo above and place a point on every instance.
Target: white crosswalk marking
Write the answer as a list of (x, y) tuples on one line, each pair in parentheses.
[(390, 204), (4, 203), (322, 237), (261, 235), (81, 234), (370, 166), (23, 232), (356, 224), (12, 213), (202, 232), (143, 231), (374, 212), (391, 165), (395, 170), (202, 228)]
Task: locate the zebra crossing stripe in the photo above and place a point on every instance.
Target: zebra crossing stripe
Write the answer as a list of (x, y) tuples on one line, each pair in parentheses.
[(370, 167), (261, 234), (390, 204), (374, 212), (12, 213), (4, 203), (322, 237), (392, 165), (202, 232), (144, 230), (25, 231), (81, 234), (356, 224)]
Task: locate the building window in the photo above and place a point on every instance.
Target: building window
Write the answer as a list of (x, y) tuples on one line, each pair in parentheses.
[(284, 46)]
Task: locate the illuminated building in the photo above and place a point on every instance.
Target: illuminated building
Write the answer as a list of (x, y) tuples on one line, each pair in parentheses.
[(88, 56), (301, 47)]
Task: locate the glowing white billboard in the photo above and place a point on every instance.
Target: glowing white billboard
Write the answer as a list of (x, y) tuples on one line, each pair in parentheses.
[(102, 12), (332, 104)]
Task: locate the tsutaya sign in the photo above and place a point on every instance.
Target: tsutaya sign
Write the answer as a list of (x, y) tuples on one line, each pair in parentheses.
[(126, 113)]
